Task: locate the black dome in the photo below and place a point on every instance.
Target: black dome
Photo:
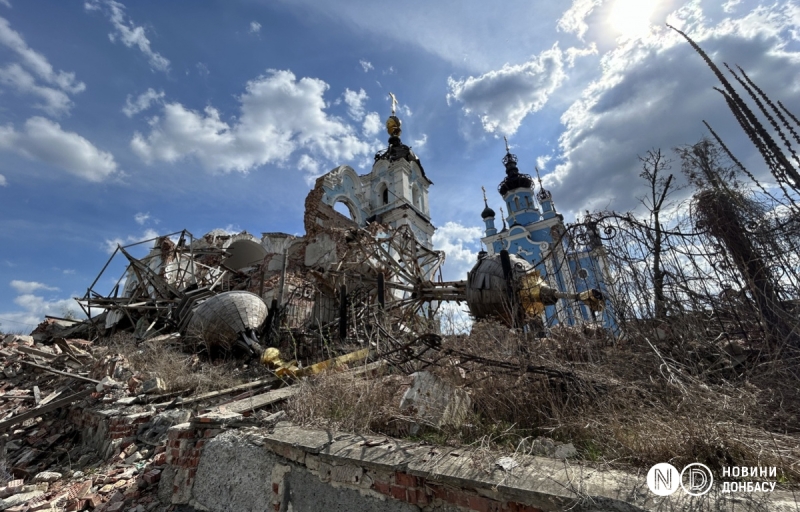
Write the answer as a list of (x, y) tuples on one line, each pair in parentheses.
[(514, 179), (487, 212)]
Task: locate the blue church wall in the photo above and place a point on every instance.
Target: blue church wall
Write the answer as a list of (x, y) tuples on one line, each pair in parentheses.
[(530, 227)]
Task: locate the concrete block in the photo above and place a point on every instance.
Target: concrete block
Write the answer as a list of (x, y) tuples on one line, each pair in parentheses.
[(234, 474), (436, 403), (47, 476), (19, 499)]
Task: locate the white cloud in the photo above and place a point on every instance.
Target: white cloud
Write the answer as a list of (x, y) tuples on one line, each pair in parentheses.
[(68, 271), (573, 53), (574, 19), (3, 182), (460, 244), (110, 244), (30, 286), (656, 91), (141, 218), (34, 308), (55, 101), (127, 32), (45, 141), (366, 65), (308, 164), (33, 68), (730, 5), (142, 102), (279, 115), (255, 27), (37, 62), (420, 143), (502, 98), (372, 124), (355, 103), (202, 69), (7, 3)]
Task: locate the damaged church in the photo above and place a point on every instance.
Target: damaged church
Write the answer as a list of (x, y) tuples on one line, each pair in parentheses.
[(348, 275)]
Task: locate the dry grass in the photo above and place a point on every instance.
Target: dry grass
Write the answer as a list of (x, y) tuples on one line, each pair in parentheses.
[(629, 405), (340, 401), (180, 370)]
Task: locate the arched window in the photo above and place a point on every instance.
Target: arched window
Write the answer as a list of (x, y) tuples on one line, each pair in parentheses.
[(384, 194), (416, 197), (528, 201), (516, 202), (344, 209)]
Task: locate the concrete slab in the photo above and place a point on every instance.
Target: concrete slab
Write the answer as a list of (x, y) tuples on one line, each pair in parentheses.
[(309, 440), (377, 452)]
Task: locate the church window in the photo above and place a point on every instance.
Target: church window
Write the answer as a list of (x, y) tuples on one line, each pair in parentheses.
[(516, 202), (384, 194), (345, 209)]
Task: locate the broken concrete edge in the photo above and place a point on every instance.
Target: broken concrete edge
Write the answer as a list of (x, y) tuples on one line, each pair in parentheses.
[(387, 468), (393, 469)]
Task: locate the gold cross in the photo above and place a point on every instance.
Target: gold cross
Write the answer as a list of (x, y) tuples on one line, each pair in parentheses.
[(394, 102), (508, 150), (484, 196)]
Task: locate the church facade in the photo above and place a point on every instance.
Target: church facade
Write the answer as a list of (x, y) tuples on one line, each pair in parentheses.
[(395, 193), (535, 231)]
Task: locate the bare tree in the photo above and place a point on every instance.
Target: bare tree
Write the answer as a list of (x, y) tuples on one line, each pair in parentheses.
[(654, 165)]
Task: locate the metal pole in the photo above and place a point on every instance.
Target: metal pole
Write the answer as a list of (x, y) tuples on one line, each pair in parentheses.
[(283, 276), (342, 312), (381, 290)]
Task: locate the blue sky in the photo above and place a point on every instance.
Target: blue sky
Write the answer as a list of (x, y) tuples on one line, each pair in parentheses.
[(119, 120)]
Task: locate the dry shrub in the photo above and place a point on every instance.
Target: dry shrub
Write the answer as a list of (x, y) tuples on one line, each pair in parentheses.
[(181, 371), (629, 403), (340, 401)]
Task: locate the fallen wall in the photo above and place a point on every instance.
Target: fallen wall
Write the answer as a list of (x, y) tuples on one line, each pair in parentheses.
[(220, 462), (301, 470)]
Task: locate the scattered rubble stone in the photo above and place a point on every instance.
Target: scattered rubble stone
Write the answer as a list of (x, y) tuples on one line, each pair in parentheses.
[(154, 386), (47, 476)]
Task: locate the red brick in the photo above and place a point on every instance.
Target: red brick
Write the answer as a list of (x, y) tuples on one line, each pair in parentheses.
[(418, 497), (152, 477), (481, 504), (458, 498), (160, 459), (93, 500), (406, 480), (382, 487), (438, 492), (399, 493), (519, 507), (275, 488)]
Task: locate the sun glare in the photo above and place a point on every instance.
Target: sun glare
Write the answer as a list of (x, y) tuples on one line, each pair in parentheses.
[(631, 18)]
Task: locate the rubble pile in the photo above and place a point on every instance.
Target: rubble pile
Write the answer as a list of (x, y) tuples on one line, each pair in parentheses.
[(80, 430)]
